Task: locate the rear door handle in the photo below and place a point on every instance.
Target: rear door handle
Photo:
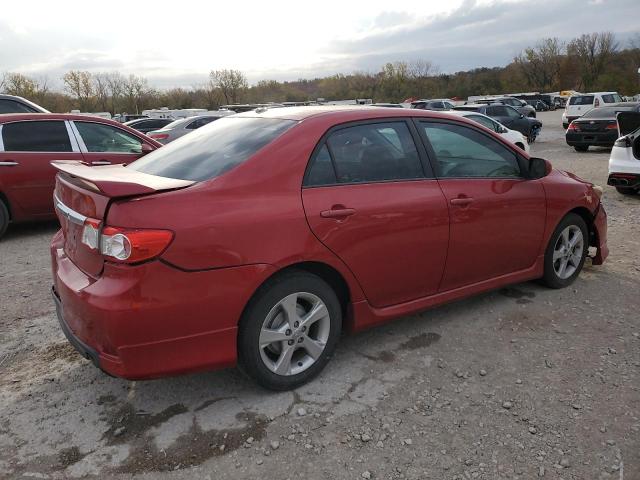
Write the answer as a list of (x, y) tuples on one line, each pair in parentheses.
[(337, 213), (9, 163), (461, 201), (101, 162)]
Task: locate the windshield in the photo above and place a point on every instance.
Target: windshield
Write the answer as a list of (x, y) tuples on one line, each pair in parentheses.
[(213, 149)]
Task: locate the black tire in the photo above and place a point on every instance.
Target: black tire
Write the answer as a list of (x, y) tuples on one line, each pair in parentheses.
[(581, 148), (626, 190), (265, 299), (4, 218), (550, 277), (520, 146)]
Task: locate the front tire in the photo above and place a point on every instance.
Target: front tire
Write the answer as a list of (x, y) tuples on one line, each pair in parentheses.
[(581, 148), (4, 218), (289, 331), (566, 252)]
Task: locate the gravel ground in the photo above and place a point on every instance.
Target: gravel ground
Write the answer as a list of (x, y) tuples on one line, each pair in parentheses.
[(523, 382)]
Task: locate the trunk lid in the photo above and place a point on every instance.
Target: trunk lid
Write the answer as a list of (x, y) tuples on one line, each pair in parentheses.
[(628, 122), (83, 193)]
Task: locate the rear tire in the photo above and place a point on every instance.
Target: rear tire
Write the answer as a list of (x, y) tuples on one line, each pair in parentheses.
[(581, 148), (289, 331), (566, 252), (626, 190), (4, 218)]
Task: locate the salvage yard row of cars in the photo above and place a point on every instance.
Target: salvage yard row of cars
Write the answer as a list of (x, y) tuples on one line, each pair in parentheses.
[(309, 221)]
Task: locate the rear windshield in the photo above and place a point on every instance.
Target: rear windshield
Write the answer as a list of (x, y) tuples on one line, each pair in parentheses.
[(213, 149), (581, 100)]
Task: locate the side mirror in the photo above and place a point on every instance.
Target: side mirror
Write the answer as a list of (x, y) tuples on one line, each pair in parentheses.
[(146, 148), (538, 168), (522, 115)]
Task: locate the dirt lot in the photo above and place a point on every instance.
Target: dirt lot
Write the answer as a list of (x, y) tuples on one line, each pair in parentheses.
[(523, 383)]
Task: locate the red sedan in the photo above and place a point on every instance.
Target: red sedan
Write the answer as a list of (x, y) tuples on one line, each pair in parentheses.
[(257, 239), (29, 142)]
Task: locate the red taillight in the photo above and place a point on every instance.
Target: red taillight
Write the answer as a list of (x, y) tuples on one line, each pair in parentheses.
[(133, 245), (611, 126), (159, 136), (125, 245), (573, 127)]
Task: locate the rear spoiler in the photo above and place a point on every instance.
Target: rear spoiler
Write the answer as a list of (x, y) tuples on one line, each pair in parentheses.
[(116, 180), (628, 122)]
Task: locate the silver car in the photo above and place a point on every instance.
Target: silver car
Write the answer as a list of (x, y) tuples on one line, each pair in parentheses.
[(183, 126)]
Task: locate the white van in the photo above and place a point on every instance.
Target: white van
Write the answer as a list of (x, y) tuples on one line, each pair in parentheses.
[(581, 103)]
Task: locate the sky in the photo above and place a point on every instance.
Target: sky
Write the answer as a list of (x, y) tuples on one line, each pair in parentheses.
[(176, 43)]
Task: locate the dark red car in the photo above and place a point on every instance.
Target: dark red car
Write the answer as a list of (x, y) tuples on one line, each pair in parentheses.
[(257, 239), (29, 142)]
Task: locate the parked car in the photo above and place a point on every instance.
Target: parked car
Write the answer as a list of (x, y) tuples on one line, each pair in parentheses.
[(435, 104), (624, 162), (29, 142), (14, 104), (124, 117), (509, 117), (519, 105), (513, 136), (146, 125), (598, 127), (580, 104), (179, 128), (539, 105), (259, 238)]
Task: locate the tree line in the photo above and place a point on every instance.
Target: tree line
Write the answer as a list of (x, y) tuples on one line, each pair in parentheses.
[(591, 62)]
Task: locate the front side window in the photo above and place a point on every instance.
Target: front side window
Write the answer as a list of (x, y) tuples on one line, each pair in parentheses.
[(99, 137), (463, 152), (498, 111), (375, 152), (512, 112), (209, 152), (36, 136)]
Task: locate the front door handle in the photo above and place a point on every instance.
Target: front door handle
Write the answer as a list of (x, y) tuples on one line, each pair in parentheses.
[(461, 201), (101, 162), (8, 163), (337, 212)]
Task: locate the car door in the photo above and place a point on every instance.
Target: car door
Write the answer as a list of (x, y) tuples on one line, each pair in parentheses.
[(369, 199), (26, 175), (501, 114), (497, 215), (103, 144)]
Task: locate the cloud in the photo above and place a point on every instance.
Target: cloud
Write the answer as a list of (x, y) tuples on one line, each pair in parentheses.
[(471, 34)]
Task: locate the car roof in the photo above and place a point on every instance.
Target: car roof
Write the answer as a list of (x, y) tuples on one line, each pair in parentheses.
[(337, 113), (16, 117), (18, 99)]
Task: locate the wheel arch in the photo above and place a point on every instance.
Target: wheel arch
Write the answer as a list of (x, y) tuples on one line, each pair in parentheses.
[(588, 218), (5, 200)]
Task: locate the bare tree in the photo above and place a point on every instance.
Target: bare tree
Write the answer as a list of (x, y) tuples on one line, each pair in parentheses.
[(101, 89), (541, 64), (20, 85), (79, 84), (134, 89), (422, 69), (115, 85), (591, 52), (232, 84)]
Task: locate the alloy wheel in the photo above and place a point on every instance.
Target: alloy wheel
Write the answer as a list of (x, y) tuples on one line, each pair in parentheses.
[(294, 333), (568, 251)]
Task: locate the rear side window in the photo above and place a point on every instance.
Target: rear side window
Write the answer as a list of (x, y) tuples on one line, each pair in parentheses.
[(321, 170), (612, 98), (581, 100), (375, 152), (36, 136), (11, 106), (213, 150)]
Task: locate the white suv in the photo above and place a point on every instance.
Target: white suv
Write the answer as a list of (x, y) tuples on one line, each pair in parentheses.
[(581, 103)]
